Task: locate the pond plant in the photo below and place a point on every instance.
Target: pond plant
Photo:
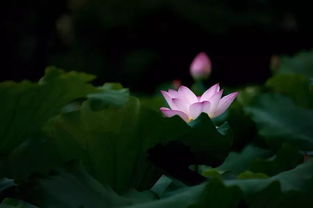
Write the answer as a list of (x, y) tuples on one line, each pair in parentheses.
[(65, 143)]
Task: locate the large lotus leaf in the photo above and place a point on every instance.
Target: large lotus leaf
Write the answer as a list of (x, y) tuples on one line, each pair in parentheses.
[(202, 143), (282, 190), (295, 86), (217, 195), (211, 194), (14, 203), (259, 160), (26, 106), (279, 120), (297, 179), (6, 183), (153, 102), (110, 94), (112, 142), (273, 197), (243, 128), (75, 188), (248, 94), (60, 189), (239, 162), (301, 63), (210, 144), (286, 158), (32, 156), (285, 189)]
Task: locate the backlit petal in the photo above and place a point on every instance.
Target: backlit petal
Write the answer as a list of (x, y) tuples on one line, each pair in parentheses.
[(170, 113), (181, 105), (210, 92), (214, 100), (173, 93), (225, 103), (187, 94), (168, 99), (197, 108)]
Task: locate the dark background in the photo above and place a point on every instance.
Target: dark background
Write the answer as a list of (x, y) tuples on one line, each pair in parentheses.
[(143, 43)]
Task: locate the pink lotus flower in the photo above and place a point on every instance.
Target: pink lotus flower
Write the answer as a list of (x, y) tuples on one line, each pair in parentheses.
[(200, 67), (188, 106)]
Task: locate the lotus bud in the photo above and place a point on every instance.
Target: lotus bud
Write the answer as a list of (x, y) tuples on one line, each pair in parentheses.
[(201, 66)]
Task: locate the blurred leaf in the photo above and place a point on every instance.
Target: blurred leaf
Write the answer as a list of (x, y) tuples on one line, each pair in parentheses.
[(6, 183), (59, 190), (238, 162), (279, 120), (301, 63), (31, 157), (273, 197), (113, 142), (211, 172), (297, 179), (13, 203), (217, 195), (74, 188), (161, 185), (27, 106), (153, 102), (257, 186), (296, 86), (246, 95), (251, 175), (243, 127), (286, 158), (208, 142), (180, 199), (167, 186), (111, 94)]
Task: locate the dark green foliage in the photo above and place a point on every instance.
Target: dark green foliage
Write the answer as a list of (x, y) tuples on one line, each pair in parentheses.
[(217, 195), (238, 162), (285, 159), (13, 203), (28, 106), (279, 120), (65, 143), (297, 87), (6, 183), (302, 63), (120, 137)]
